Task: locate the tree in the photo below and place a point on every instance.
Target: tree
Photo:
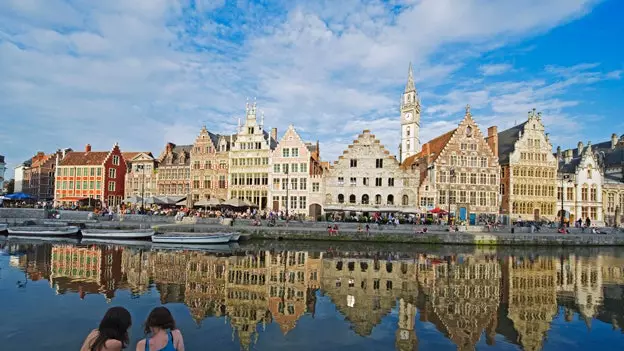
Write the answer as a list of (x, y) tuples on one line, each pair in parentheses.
[(9, 186)]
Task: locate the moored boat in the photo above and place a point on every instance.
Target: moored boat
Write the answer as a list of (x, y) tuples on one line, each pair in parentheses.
[(3, 227), (235, 236), (44, 231), (118, 234), (192, 238)]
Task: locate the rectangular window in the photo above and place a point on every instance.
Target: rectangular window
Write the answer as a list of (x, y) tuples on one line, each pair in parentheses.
[(353, 181), (276, 183), (79, 172), (559, 193), (340, 181), (294, 168), (473, 178), (483, 179), (593, 213), (111, 186), (284, 183), (365, 181), (303, 167), (222, 181), (442, 176), (377, 181), (315, 187), (353, 163), (390, 181), (453, 160), (484, 162), (295, 152), (492, 179), (473, 161), (379, 163), (452, 197), (303, 183), (115, 160), (462, 196), (302, 202), (584, 195), (593, 196), (293, 184), (85, 184), (473, 198), (285, 152), (442, 197), (78, 184), (98, 185), (482, 198), (464, 146), (112, 173), (462, 178), (293, 202)]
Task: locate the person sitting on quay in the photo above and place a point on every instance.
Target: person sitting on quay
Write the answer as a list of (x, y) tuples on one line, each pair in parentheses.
[(162, 331), (112, 333)]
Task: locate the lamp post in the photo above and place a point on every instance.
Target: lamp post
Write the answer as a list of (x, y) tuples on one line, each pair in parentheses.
[(142, 168), (451, 177), (287, 187)]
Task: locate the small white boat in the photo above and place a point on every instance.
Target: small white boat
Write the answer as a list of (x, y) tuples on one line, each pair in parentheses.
[(235, 236), (3, 227), (192, 238), (118, 234), (43, 231)]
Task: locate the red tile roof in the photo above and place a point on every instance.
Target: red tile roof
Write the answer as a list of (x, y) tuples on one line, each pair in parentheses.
[(433, 147), (94, 158), (38, 161)]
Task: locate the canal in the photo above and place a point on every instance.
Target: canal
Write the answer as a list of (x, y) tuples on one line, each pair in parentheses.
[(316, 296)]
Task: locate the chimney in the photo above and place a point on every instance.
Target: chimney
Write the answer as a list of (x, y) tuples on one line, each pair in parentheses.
[(614, 140), (492, 139), (558, 153), (567, 156), (274, 133), (580, 147), (318, 150), (88, 148), (169, 147)]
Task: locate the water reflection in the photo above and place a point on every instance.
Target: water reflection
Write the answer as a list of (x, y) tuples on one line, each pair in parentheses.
[(464, 296)]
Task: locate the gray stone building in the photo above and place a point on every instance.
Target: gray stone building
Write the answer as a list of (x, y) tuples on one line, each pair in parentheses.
[(366, 178)]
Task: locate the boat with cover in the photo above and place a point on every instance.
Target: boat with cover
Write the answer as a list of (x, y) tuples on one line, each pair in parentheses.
[(192, 238), (44, 231), (118, 233)]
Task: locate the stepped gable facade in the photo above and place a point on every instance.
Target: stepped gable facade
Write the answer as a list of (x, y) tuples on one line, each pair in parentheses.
[(367, 178)]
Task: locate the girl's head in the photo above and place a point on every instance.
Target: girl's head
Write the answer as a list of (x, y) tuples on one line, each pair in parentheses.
[(160, 318), (114, 325)]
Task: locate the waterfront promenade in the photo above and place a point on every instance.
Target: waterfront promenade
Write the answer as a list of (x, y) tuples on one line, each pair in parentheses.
[(317, 231)]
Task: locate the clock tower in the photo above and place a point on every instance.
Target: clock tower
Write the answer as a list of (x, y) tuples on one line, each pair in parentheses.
[(410, 119)]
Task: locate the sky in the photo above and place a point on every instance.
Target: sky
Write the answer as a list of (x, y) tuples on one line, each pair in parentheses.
[(146, 72)]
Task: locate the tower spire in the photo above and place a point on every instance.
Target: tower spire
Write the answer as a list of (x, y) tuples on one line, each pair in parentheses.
[(410, 80)]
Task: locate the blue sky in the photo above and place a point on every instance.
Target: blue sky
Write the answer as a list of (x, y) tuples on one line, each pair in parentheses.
[(146, 72)]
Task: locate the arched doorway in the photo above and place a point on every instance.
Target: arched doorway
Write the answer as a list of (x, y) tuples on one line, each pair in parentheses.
[(315, 211)]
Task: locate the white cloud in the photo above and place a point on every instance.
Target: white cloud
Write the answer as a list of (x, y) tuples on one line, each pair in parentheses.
[(149, 71), (495, 69)]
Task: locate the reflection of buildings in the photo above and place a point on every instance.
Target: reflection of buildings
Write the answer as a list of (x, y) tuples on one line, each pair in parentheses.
[(532, 298), (86, 270), (462, 298), (365, 290)]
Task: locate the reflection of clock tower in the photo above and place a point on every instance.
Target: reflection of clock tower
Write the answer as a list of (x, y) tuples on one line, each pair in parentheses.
[(410, 119)]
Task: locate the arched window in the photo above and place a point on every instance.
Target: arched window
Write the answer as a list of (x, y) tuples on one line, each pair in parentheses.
[(377, 199), (405, 200), (352, 199), (340, 198), (407, 131), (389, 267), (390, 199), (407, 144), (365, 199)]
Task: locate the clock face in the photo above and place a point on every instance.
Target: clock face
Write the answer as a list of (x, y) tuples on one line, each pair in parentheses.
[(408, 116)]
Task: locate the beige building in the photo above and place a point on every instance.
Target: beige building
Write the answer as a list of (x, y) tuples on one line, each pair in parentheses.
[(174, 170), (209, 166), (141, 174), (459, 173), (296, 176), (528, 171), (249, 160), (367, 178)]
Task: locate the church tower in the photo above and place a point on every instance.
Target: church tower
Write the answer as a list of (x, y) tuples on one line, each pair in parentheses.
[(410, 119)]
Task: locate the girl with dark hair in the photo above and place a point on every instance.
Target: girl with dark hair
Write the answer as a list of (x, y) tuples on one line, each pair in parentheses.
[(162, 331), (112, 334)]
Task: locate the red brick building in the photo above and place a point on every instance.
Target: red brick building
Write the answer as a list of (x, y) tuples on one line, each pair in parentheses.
[(38, 180), (98, 175)]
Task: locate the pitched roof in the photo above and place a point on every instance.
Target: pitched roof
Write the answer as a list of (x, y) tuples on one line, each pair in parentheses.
[(128, 156), (435, 147), (506, 142), (39, 161), (93, 158)]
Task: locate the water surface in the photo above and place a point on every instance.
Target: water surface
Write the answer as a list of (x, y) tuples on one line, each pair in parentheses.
[(281, 296)]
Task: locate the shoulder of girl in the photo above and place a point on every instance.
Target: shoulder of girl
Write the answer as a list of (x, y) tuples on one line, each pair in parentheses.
[(113, 344)]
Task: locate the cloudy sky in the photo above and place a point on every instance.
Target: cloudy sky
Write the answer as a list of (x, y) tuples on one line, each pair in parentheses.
[(145, 72)]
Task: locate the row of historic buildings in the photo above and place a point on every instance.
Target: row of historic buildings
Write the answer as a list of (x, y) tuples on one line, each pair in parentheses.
[(463, 297), (473, 174)]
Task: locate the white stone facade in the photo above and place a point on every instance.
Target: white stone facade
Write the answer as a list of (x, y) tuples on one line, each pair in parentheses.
[(294, 176), (367, 178), (249, 161), (582, 186), (18, 175), (141, 178)]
